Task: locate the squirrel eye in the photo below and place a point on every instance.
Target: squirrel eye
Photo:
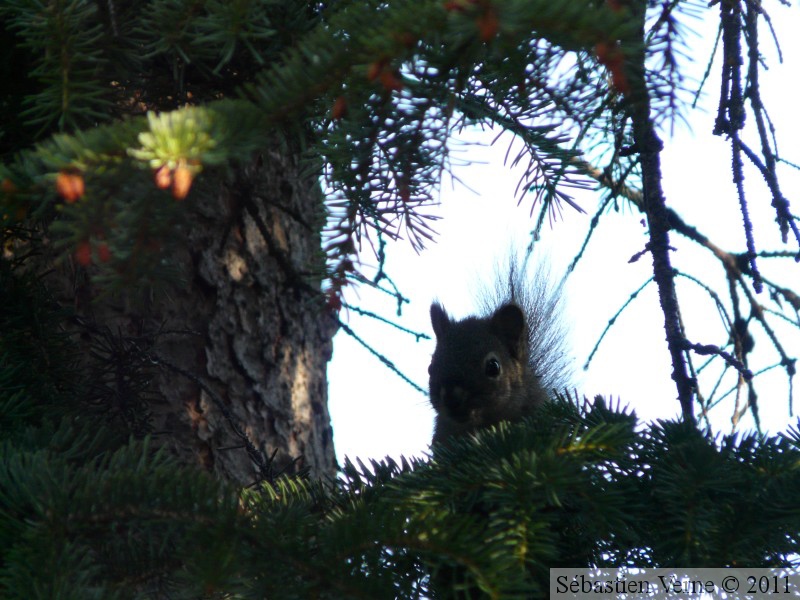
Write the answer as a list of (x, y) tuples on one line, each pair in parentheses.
[(492, 367)]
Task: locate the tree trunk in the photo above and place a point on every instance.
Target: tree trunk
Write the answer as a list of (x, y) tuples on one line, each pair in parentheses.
[(244, 331)]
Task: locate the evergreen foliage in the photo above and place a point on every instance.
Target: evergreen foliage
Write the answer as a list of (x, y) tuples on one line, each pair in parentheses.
[(115, 112), (370, 79), (373, 91), (85, 513)]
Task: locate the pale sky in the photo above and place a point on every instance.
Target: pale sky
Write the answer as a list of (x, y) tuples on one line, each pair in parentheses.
[(375, 413)]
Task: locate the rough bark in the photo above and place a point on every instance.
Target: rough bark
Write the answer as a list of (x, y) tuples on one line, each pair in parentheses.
[(244, 326)]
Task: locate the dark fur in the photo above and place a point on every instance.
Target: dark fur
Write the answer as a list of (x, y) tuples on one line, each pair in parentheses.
[(521, 330)]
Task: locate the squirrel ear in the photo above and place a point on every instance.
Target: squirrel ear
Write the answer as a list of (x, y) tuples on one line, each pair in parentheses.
[(508, 322), (439, 319)]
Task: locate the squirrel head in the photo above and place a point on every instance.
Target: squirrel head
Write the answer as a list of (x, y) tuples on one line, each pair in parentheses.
[(479, 369)]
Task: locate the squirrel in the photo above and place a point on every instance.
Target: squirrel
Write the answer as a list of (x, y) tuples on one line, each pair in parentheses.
[(499, 366)]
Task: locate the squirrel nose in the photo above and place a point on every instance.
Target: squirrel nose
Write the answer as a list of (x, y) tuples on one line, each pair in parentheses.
[(455, 400)]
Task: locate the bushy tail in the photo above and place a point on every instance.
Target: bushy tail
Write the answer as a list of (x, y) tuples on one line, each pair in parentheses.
[(527, 283)]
